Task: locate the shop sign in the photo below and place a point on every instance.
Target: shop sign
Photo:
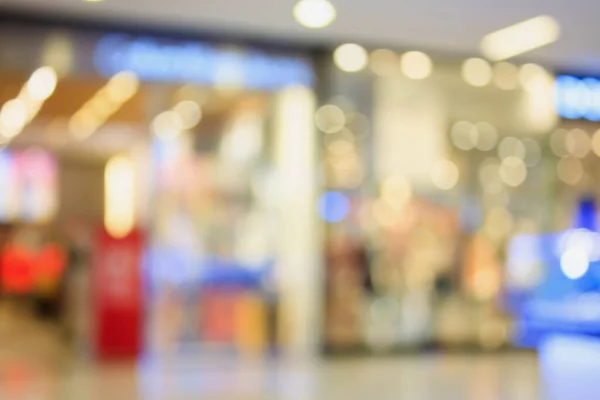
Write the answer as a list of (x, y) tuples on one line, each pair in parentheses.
[(194, 62), (577, 98), (116, 285)]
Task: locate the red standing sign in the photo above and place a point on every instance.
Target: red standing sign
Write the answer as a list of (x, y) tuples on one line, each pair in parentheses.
[(117, 295)]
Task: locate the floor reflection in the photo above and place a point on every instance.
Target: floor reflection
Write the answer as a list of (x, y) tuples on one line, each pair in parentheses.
[(566, 369)]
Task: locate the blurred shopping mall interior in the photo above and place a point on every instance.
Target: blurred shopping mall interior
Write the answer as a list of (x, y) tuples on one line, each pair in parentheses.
[(299, 199)]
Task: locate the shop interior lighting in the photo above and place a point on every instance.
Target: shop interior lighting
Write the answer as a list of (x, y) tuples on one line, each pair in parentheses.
[(16, 113), (119, 183), (110, 98), (350, 57)]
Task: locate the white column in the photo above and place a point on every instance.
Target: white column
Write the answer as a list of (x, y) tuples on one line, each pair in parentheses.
[(299, 265)]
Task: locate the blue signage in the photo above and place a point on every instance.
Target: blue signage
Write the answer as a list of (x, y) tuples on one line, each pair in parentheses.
[(193, 62), (566, 299), (577, 98)]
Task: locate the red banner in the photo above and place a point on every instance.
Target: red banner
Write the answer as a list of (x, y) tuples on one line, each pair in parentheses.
[(117, 295)]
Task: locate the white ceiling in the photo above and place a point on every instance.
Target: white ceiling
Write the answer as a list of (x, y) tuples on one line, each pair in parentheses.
[(448, 27)]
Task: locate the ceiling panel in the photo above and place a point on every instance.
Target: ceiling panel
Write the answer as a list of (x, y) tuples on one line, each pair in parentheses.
[(452, 27)]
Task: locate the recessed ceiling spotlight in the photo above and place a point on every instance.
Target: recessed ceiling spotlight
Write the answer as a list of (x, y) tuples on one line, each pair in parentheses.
[(314, 14)]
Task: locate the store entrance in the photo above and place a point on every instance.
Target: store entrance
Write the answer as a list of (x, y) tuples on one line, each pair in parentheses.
[(201, 177)]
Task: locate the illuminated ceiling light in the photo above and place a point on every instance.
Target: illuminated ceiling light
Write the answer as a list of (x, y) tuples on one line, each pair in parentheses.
[(520, 38), (314, 14), (92, 1), (42, 83), (383, 62), (119, 201), (7, 133), (13, 114), (477, 72), (416, 65), (121, 87), (83, 124), (506, 76), (95, 112), (444, 174), (350, 57), (189, 112)]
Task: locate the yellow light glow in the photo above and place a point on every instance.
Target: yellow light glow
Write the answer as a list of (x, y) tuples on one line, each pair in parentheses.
[(314, 14), (396, 190), (506, 76), (489, 176), (350, 57), (520, 38), (42, 83), (570, 170), (444, 174), (189, 113), (464, 135), (340, 147), (487, 136), (416, 65), (7, 133), (499, 223), (83, 124), (578, 143), (95, 112), (121, 87), (330, 118), (383, 62), (511, 147), (513, 171), (477, 72), (119, 200), (534, 77), (167, 125), (13, 114)]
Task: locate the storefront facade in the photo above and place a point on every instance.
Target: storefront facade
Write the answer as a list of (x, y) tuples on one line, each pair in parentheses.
[(198, 164), (432, 166)]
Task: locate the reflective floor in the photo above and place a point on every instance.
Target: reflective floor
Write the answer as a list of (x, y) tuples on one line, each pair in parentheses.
[(512, 377), (477, 377), (34, 366)]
